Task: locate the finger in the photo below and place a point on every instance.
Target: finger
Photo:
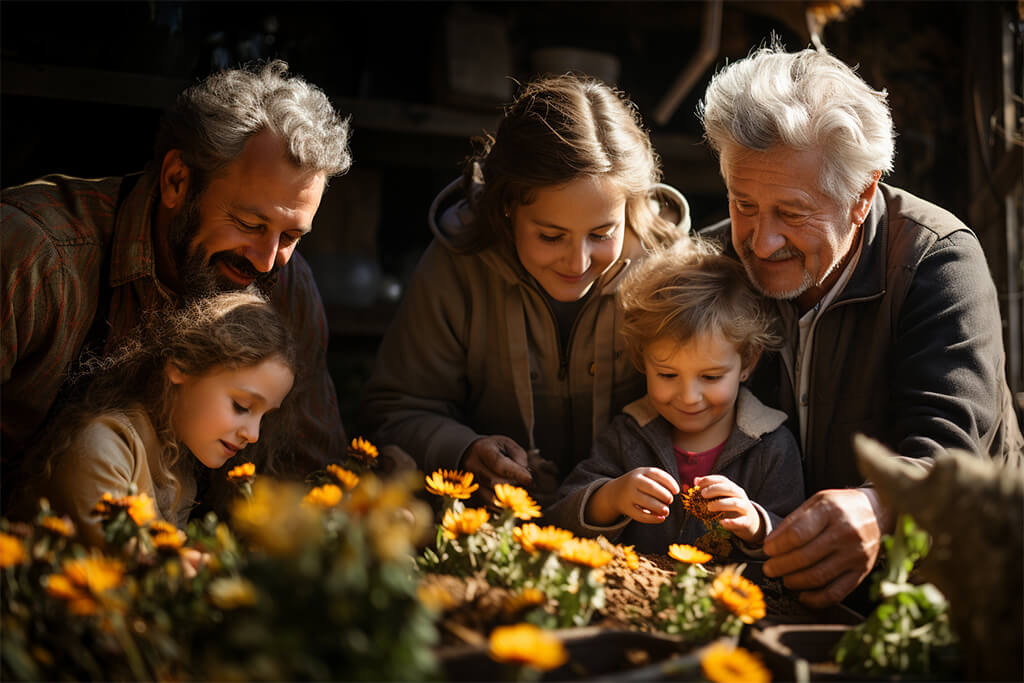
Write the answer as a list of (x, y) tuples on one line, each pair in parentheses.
[(664, 479), (800, 559), (651, 504), (504, 464), (797, 529), (831, 594), (728, 505), (654, 491), (646, 516)]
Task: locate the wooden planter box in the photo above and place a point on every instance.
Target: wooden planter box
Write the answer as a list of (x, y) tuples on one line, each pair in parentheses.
[(594, 654)]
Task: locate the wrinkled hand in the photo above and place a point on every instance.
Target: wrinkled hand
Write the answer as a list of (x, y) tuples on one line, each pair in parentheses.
[(828, 545), (642, 494), (739, 514), (496, 460)]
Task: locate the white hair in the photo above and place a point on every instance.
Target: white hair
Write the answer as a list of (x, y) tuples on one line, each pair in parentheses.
[(808, 100)]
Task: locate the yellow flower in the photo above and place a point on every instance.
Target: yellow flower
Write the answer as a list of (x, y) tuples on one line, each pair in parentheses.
[(630, 557), (243, 472), (451, 483), (740, 596), (524, 599), (517, 500), (12, 551), (586, 552), (140, 508), (362, 450), (232, 592), (326, 496), (725, 664), (169, 540), (59, 525), (79, 602), (687, 554), (463, 523), (528, 645), (159, 526), (347, 478), (275, 519), (96, 572), (697, 505), (534, 538)]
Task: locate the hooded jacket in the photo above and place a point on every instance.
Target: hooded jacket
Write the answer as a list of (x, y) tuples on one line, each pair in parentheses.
[(910, 352), (760, 455), (474, 351)]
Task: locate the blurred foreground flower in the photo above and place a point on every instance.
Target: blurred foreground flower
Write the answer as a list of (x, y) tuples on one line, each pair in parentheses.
[(275, 520), (347, 478), (726, 664), (687, 554), (464, 522), (326, 496), (12, 551), (527, 645)]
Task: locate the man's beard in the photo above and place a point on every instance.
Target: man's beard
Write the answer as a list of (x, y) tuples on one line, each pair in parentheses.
[(747, 257), (197, 270)]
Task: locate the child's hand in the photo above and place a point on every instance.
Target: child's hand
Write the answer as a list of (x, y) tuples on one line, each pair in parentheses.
[(740, 516), (642, 494)]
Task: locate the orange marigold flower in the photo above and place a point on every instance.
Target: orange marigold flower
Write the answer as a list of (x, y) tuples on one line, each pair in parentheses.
[(586, 552), (740, 596), (96, 573), (243, 472), (362, 450), (451, 483), (159, 526), (58, 525), (463, 523), (12, 551), (524, 599), (517, 500), (347, 478), (687, 554), (629, 556), (169, 540), (326, 496), (726, 664), (527, 645), (79, 601), (140, 508), (697, 505), (534, 538)]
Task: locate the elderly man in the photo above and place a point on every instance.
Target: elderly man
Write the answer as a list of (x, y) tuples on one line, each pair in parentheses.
[(241, 163), (890, 313)]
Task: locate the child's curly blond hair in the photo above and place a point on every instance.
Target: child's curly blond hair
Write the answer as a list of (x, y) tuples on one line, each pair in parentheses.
[(689, 290)]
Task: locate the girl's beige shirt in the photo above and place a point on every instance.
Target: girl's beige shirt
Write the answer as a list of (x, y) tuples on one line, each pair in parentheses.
[(111, 453)]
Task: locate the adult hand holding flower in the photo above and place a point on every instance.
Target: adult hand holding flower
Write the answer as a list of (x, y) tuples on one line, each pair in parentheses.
[(642, 494), (728, 499), (497, 460)]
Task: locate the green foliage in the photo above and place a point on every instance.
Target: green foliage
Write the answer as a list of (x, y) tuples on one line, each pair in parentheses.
[(286, 591), (686, 608), (909, 632)]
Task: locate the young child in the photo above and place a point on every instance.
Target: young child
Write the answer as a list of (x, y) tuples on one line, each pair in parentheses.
[(189, 392), (695, 328)]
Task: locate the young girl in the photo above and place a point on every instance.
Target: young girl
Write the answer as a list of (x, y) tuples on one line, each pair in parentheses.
[(696, 328), (188, 393), (505, 343)]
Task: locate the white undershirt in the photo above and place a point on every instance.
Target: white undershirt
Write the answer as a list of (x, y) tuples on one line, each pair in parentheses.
[(800, 370)]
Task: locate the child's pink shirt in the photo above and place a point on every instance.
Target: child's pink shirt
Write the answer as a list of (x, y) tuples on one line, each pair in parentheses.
[(692, 465)]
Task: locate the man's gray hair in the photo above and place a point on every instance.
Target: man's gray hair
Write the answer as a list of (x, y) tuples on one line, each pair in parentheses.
[(808, 100), (211, 121)]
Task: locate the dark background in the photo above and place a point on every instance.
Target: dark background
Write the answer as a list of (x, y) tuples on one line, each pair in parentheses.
[(83, 85)]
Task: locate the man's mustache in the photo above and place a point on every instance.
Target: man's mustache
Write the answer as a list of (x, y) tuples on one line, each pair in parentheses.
[(242, 265)]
